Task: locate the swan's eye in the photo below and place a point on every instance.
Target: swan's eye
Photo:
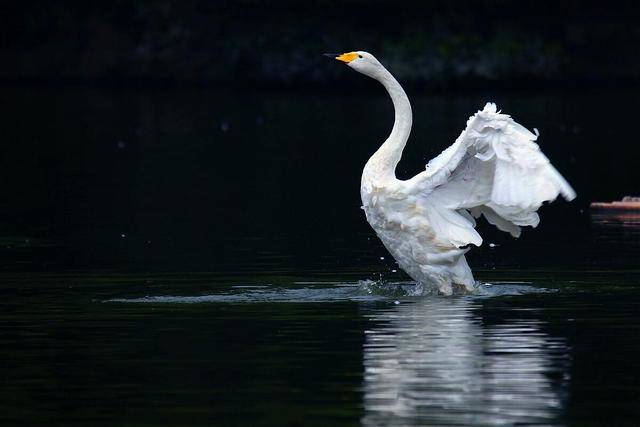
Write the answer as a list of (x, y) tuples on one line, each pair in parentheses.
[(359, 56)]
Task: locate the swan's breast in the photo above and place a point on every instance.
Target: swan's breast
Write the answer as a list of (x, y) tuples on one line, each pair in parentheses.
[(399, 219)]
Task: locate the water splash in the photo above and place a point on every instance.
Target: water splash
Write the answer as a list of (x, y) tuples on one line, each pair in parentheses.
[(314, 292), (392, 289)]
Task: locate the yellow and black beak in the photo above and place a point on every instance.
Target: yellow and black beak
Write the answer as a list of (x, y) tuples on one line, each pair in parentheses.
[(345, 57)]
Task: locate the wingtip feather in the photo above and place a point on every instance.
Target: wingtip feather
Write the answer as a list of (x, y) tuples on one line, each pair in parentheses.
[(490, 107)]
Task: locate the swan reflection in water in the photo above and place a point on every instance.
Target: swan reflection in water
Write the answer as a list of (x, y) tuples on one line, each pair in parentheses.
[(433, 362)]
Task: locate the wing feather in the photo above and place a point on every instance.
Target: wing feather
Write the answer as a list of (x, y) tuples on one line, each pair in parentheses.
[(494, 169)]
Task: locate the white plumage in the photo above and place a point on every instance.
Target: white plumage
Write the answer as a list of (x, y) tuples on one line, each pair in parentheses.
[(494, 169)]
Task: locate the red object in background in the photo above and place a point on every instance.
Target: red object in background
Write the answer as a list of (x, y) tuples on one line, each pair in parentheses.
[(625, 211)]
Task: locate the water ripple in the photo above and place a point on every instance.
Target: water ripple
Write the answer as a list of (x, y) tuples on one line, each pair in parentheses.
[(364, 290), (432, 362)]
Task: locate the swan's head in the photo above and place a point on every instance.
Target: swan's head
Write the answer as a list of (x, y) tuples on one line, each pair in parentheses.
[(362, 62)]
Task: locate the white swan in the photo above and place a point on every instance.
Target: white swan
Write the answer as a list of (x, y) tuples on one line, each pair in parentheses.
[(494, 169)]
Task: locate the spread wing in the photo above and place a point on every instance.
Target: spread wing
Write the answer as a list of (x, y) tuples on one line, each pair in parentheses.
[(493, 169)]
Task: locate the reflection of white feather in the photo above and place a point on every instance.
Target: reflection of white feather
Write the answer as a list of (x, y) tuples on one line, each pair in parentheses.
[(494, 169), (432, 363)]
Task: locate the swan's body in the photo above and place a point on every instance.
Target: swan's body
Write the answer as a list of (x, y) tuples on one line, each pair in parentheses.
[(494, 169)]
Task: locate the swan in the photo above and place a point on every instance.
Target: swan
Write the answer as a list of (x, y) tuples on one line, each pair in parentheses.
[(493, 169)]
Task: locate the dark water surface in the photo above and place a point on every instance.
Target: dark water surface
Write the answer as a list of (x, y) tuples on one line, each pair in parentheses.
[(199, 258)]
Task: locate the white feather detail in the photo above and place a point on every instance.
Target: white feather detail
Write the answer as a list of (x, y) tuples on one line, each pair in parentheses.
[(494, 169)]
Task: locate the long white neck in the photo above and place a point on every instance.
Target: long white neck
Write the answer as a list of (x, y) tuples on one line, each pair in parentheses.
[(382, 165)]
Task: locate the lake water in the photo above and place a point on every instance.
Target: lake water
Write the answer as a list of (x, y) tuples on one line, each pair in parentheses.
[(199, 258)]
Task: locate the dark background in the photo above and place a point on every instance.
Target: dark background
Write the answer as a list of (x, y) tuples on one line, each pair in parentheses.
[(196, 135), (433, 44), (192, 148)]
